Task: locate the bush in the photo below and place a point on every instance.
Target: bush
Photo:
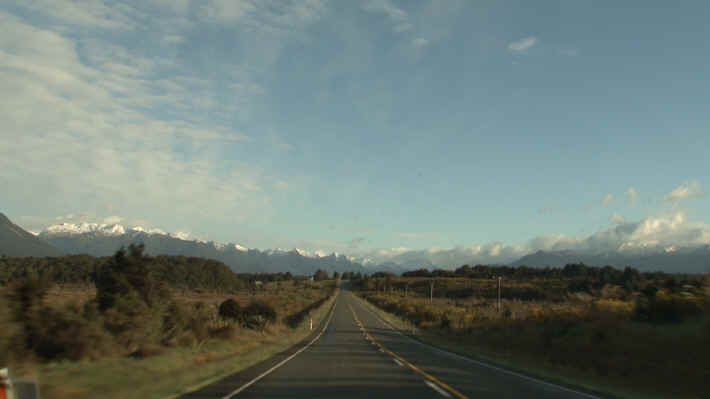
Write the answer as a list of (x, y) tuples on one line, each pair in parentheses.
[(664, 307), (615, 307), (258, 314), (65, 334), (133, 322), (230, 310), (11, 339)]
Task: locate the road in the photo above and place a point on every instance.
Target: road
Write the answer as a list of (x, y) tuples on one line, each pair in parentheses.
[(356, 355)]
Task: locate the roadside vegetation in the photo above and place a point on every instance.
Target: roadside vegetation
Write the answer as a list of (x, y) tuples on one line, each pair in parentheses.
[(135, 325), (618, 331)]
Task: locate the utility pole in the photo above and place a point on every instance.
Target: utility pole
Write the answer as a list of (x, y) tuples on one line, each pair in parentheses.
[(431, 291), (499, 281)]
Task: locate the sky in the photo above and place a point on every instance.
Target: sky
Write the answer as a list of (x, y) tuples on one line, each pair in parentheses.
[(374, 126)]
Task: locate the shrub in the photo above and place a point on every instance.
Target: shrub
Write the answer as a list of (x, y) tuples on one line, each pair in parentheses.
[(133, 322), (258, 314), (65, 334), (230, 310), (10, 334), (664, 307), (615, 307)]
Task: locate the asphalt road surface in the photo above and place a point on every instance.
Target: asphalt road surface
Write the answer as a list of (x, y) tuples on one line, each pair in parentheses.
[(355, 354)]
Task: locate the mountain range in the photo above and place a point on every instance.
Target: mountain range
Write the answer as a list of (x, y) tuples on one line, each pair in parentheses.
[(15, 241), (104, 239), (694, 259)]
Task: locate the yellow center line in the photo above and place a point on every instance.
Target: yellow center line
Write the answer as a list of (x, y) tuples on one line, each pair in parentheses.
[(416, 369)]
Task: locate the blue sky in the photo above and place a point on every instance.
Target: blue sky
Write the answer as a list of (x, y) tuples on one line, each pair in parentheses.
[(357, 126)]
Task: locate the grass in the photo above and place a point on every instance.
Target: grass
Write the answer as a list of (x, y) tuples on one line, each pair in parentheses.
[(612, 355), (171, 371)]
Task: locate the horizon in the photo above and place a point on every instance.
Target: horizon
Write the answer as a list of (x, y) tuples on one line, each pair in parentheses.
[(432, 258), (375, 128)]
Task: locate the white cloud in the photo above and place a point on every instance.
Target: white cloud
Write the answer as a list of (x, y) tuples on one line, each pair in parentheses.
[(608, 199), (281, 184), (523, 45), (398, 17), (632, 196), (424, 235), (112, 220), (81, 127), (617, 219), (684, 192), (420, 42), (264, 16), (182, 235), (655, 232), (92, 14)]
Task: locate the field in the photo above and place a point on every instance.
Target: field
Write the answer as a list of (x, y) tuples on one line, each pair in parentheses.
[(608, 339), (178, 370), (182, 340)]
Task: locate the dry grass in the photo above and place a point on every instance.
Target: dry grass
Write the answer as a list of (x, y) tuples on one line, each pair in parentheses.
[(168, 371), (588, 342)]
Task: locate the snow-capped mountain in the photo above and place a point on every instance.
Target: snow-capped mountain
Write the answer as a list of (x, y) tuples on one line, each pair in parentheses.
[(81, 228), (691, 259), (104, 239)]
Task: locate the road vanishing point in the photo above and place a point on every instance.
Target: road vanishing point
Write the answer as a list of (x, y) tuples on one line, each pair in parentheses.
[(356, 354)]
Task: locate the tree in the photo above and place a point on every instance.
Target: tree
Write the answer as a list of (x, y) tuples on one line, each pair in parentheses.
[(320, 275), (127, 273)]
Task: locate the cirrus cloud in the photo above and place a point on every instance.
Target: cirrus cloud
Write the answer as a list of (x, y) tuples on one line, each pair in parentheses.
[(523, 45), (684, 192)]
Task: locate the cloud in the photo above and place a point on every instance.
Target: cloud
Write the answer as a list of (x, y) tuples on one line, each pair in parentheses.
[(398, 17), (418, 236), (420, 42), (632, 196), (91, 14), (569, 52), (356, 242), (654, 232), (263, 16), (617, 219), (608, 199), (684, 192), (411, 235), (523, 45), (112, 219), (85, 112)]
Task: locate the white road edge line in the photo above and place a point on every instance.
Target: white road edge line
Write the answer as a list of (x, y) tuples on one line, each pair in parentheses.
[(451, 354), (437, 389), (398, 362), (281, 363)]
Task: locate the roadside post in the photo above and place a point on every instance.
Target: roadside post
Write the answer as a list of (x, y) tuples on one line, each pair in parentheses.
[(499, 282), (6, 391)]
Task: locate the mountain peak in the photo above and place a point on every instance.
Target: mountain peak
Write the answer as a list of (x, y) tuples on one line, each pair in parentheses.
[(80, 228), (16, 241)]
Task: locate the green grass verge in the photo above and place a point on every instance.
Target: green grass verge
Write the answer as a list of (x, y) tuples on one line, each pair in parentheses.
[(174, 372)]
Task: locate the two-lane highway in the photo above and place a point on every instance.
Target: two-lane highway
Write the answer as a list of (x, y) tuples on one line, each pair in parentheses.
[(359, 355)]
